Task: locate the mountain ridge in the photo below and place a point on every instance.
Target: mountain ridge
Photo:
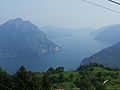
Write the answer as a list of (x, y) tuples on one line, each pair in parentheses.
[(110, 34), (108, 57), (19, 37)]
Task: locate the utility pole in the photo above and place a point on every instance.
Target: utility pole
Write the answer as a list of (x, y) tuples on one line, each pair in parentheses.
[(114, 2)]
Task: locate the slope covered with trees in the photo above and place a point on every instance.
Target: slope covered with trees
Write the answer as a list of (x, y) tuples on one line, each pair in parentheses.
[(86, 77)]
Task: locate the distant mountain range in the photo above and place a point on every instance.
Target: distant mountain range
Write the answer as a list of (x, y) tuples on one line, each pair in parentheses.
[(109, 57), (97, 31), (55, 32), (19, 37), (58, 32), (109, 34)]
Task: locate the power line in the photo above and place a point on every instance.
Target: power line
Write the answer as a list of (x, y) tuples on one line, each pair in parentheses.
[(101, 6), (114, 2)]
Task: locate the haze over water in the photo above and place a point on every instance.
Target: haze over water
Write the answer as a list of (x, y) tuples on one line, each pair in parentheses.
[(60, 13), (74, 48)]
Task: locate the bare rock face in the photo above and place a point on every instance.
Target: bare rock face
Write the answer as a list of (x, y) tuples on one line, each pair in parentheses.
[(19, 37)]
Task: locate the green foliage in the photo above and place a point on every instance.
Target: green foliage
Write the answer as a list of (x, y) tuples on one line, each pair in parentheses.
[(21, 79), (87, 77), (85, 84), (61, 78), (100, 86), (54, 79), (34, 82), (25, 80), (46, 82), (59, 69), (51, 70), (71, 77), (93, 76), (6, 80)]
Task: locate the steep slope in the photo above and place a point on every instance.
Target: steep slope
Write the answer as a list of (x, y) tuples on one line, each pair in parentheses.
[(109, 34), (18, 37), (109, 56)]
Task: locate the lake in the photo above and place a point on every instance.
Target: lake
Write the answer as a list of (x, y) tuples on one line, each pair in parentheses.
[(74, 48)]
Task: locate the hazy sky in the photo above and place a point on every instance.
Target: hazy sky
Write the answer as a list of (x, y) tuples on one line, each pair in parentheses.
[(60, 13)]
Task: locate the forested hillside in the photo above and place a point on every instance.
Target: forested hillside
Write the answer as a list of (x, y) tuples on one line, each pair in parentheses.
[(86, 77)]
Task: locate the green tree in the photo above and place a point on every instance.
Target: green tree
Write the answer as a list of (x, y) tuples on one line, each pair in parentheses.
[(100, 86), (34, 82), (6, 80), (54, 79), (21, 79), (71, 77), (51, 70), (59, 69), (61, 78), (86, 85), (25, 80), (46, 82)]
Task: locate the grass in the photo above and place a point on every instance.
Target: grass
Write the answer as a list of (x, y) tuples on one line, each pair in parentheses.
[(75, 74), (112, 84)]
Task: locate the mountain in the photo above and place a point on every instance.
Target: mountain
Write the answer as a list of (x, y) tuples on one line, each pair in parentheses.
[(97, 31), (19, 37), (110, 34), (55, 32), (58, 32), (109, 56)]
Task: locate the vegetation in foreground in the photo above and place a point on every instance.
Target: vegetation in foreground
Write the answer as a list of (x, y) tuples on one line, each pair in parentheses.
[(86, 77)]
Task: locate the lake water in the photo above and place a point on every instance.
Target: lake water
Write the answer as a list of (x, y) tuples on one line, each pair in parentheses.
[(73, 49)]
